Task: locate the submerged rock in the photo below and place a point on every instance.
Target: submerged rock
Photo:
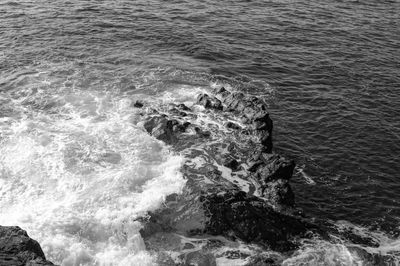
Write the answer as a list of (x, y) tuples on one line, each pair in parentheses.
[(17, 248)]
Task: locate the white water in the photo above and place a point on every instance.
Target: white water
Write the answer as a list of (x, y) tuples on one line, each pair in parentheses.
[(77, 175)]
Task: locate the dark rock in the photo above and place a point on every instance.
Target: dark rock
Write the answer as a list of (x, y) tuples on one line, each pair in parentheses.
[(162, 128), (169, 130), (251, 219), (272, 173), (231, 163), (252, 110), (278, 192), (264, 260), (164, 259), (183, 107), (188, 246), (232, 125), (214, 205), (138, 104), (209, 102), (177, 112), (271, 166), (17, 248), (199, 258), (235, 254)]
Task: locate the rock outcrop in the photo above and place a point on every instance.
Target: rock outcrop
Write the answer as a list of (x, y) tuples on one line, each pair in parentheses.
[(240, 189), (17, 248)]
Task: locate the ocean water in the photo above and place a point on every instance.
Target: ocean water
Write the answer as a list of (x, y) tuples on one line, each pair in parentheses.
[(77, 169)]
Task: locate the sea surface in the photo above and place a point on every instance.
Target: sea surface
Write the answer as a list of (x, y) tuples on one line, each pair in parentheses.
[(76, 166)]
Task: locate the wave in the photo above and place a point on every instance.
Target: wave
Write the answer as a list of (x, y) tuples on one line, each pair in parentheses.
[(78, 176)]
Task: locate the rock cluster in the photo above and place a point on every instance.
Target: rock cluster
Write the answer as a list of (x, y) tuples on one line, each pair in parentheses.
[(211, 204)]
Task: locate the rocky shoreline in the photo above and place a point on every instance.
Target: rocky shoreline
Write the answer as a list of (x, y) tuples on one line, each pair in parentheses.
[(261, 213), (237, 189)]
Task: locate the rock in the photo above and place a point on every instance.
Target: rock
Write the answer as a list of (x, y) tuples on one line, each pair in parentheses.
[(183, 107), (177, 112), (138, 104), (271, 166), (170, 130), (232, 125), (17, 248), (264, 260), (234, 213), (272, 173), (209, 102), (213, 204), (251, 110), (278, 193), (231, 163), (199, 258)]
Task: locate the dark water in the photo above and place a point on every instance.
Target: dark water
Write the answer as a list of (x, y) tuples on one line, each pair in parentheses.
[(331, 72)]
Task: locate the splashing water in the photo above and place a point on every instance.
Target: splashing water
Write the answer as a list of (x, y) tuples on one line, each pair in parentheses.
[(76, 171)]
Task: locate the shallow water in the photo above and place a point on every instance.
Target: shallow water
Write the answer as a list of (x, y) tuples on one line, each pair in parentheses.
[(72, 147)]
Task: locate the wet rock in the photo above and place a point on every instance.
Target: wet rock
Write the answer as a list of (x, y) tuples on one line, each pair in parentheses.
[(232, 125), (272, 172), (164, 259), (188, 246), (138, 104), (209, 102), (235, 254), (231, 163), (278, 193), (271, 166), (183, 107), (370, 259), (163, 128), (212, 204), (199, 258), (264, 260), (251, 110), (177, 112), (17, 248), (251, 219), (170, 130)]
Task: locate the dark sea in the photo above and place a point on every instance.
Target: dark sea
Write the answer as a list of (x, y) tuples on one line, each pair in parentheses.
[(75, 167)]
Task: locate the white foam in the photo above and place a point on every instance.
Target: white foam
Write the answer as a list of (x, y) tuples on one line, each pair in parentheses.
[(78, 179), (321, 252)]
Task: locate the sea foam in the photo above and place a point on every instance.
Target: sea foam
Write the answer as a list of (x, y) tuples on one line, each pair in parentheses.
[(78, 175)]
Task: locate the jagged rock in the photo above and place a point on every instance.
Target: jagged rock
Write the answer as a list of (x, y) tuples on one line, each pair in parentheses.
[(231, 163), (170, 130), (272, 172), (17, 248), (278, 193), (164, 129), (251, 219), (209, 102), (138, 104), (183, 107), (271, 166), (253, 111), (264, 260), (199, 258), (232, 125), (215, 205)]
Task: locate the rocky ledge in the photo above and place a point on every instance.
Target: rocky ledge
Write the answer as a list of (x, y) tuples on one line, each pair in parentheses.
[(17, 248), (237, 188)]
